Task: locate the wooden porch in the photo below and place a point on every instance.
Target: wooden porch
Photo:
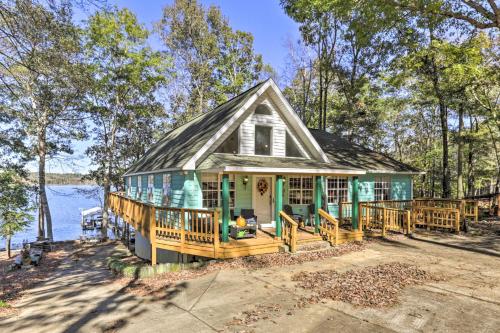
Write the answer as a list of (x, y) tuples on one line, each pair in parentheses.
[(198, 231)]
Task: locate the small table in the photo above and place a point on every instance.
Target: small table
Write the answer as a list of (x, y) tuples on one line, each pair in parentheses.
[(248, 231)]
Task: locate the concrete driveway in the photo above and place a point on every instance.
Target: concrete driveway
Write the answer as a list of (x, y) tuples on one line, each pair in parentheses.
[(81, 298)]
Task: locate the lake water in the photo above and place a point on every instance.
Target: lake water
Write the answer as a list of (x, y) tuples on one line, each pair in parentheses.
[(66, 203)]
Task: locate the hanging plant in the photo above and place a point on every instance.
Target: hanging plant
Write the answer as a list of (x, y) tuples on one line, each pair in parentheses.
[(262, 186)]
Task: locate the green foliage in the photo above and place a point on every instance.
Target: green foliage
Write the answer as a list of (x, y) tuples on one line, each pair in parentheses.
[(403, 76), (212, 61), (15, 206), (121, 100)]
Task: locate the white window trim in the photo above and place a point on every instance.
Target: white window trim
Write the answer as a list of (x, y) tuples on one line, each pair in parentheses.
[(337, 189), (139, 187), (301, 189), (384, 180), (293, 118), (218, 179)]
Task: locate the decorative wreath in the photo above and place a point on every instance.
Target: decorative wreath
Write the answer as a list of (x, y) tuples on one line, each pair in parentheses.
[(262, 186)]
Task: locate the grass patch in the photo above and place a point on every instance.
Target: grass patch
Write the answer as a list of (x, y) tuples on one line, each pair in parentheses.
[(4, 304)]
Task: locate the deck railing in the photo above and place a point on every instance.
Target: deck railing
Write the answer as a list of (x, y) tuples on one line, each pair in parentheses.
[(329, 227), (289, 231), (167, 223), (385, 218), (436, 217)]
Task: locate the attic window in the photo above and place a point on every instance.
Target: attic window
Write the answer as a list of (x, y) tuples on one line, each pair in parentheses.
[(230, 146), (291, 147), (263, 109)]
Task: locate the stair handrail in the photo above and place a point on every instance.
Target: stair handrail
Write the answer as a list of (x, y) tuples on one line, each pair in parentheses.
[(329, 227), (289, 231)]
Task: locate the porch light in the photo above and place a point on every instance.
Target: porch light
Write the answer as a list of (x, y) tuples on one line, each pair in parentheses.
[(245, 181)]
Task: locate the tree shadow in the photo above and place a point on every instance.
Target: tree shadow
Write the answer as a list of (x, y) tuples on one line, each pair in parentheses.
[(68, 296), (486, 246)]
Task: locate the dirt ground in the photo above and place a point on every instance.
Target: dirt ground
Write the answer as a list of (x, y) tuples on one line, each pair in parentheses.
[(458, 289)]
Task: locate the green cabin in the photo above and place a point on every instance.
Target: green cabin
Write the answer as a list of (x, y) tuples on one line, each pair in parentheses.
[(254, 153)]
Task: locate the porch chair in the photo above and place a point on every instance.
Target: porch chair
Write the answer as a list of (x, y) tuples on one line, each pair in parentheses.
[(249, 216), (296, 217)]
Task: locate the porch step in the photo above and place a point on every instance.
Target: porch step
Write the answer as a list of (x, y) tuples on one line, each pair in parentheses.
[(312, 246)]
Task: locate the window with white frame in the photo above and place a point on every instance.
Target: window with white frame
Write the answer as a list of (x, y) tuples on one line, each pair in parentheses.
[(382, 188), (337, 189), (300, 190), (151, 183), (129, 186), (166, 189), (139, 187), (212, 190)]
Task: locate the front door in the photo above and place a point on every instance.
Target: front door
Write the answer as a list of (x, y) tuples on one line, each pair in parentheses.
[(263, 190)]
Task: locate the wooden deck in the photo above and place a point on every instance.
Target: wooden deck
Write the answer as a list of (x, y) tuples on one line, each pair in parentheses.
[(197, 231)]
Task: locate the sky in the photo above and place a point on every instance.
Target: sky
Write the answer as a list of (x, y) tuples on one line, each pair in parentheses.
[(265, 19)]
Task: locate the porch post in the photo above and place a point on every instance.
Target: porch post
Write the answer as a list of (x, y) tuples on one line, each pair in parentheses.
[(317, 202), (355, 203), (278, 207), (225, 207)]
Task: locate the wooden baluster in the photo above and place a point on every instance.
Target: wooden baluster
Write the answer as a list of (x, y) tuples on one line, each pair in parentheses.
[(152, 235), (476, 211), (341, 214), (183, 230), (215, 222), (384, 217)]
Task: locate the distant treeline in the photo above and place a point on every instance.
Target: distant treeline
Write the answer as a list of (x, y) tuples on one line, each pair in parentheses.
[(62, 178)]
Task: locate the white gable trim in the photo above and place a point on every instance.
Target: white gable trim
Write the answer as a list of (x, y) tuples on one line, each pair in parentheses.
[(191, 164), (299, 122)]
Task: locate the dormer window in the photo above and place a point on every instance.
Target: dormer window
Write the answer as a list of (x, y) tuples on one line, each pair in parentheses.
[(263, 110), (263, 140)]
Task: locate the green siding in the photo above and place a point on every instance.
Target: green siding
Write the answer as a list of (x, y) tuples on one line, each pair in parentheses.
[(158, 189), (243, 194), (401, 187), (192, 190), (144, 186), (177, 189), (366, 188), (133, 189)]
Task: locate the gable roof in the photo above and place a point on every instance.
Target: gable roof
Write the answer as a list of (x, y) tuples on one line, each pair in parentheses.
[(179, 145), (345, 154), (187, 146)]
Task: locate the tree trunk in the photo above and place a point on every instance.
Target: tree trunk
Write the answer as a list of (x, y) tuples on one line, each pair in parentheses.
[(443, 116), (107, 183), (7, 245), (470, 162), (460, 153), (43, 204)]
